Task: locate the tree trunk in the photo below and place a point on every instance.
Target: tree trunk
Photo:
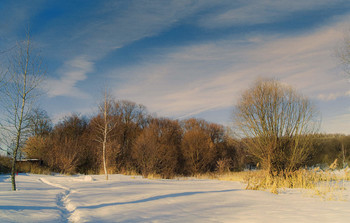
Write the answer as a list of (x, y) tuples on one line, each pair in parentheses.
[(104, 157), (343, 151), (105, 138), (18, 138), (13, 173)]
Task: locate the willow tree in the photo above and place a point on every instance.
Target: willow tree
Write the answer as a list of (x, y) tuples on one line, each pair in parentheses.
[(25, 74), (277, 124)]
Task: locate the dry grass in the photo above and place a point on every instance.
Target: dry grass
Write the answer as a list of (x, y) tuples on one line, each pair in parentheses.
[(329, 184), (33, 168), (154, 176), (226, 176), (129, 172)]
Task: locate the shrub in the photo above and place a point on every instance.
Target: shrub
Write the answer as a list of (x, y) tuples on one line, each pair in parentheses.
[(5, 164), (157, 149)]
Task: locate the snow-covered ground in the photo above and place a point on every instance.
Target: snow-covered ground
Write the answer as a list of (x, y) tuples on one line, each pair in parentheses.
[(43, 198)]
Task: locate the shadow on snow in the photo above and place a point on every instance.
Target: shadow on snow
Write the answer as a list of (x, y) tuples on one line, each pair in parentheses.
[(159, 197), (20, 208)]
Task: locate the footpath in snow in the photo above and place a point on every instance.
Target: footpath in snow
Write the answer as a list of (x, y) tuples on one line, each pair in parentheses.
[(43, 198)]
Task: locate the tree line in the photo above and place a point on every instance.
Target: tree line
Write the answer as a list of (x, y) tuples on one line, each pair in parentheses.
[(139, 142), (144, 144)]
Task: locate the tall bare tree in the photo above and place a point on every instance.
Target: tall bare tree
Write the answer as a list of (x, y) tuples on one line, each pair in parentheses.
[(277, 124), (25, 74), (104, 126)]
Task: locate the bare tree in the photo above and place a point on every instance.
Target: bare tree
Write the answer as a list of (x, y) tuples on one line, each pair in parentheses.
[(39, 122), (104, 126), (277, 124), (25, 74)]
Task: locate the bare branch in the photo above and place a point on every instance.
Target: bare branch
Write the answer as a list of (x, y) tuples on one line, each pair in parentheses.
[(277, 124), (25, 74)]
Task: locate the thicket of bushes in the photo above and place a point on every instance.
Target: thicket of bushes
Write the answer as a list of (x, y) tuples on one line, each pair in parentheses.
[(5, 164), (139, 143), (329, 147)]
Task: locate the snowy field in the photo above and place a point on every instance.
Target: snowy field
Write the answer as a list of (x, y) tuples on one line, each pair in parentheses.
[(43, 198)]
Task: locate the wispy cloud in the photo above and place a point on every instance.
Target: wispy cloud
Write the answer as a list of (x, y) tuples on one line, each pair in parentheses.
[(72, 71), (14, 20), (15, 17), (192, 79), (109, 27), (260, 12)]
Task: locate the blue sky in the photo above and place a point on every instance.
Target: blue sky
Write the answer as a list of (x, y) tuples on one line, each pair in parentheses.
[(184, 59)]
